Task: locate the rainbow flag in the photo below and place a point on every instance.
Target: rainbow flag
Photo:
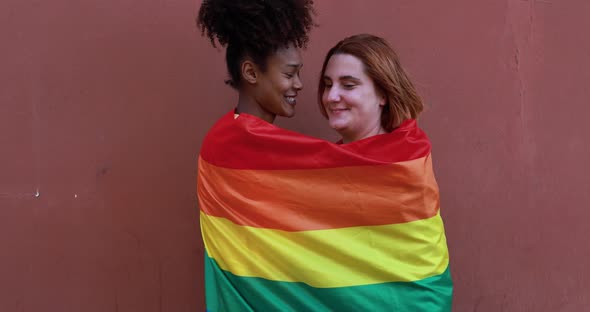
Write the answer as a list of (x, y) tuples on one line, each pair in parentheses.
[(293, 223)]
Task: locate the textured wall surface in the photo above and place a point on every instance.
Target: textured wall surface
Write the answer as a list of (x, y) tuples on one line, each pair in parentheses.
[(103, 107)]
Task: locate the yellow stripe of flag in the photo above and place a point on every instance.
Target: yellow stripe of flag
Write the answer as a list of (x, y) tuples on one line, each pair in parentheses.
[(325, 258)]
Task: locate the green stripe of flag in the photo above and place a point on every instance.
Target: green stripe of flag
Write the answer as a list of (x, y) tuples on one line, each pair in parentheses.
[(228, 292)]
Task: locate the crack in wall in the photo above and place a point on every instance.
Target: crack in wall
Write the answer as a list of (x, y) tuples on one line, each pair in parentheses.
[(521, 19), (522, 34)]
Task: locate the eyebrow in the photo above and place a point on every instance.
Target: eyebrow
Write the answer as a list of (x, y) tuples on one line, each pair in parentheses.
[(348, 77), (295, 65)]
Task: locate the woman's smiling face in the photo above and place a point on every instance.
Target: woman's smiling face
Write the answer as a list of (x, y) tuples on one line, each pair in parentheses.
[(279, 84), (352, 102)]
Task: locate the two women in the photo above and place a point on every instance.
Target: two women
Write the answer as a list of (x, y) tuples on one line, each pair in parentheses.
[(293, 223)]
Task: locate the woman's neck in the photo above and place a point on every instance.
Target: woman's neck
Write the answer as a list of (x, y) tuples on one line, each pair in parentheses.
[(351, 137), (248, 105)]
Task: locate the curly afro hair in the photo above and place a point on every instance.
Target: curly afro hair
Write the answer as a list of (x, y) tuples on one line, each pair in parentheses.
[(255, 28)]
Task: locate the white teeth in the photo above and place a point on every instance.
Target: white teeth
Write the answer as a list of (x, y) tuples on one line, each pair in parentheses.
[(290, 99)]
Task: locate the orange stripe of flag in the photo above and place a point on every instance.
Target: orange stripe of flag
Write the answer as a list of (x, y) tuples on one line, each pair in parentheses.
[(302, 200)]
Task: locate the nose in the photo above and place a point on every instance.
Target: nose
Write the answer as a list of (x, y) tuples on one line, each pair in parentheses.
[(332, 94), (297, 85)]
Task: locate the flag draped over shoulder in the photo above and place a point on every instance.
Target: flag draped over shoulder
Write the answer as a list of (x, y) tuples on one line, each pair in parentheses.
[(293, 223)]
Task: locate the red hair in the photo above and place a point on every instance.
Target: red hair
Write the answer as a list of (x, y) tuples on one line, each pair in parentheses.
[(382, 65)]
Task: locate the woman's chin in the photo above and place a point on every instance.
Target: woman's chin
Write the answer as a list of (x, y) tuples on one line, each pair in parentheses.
[(338, 126)]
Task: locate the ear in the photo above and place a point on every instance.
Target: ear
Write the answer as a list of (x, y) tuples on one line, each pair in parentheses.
[(249, 71), (382, 100)]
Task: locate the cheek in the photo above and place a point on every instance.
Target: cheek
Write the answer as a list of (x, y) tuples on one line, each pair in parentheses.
[(324, 98), (279, 83), (285, 85), (370, 101)]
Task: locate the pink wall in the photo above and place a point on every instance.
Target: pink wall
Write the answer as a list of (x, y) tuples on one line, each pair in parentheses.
[(103, 107)]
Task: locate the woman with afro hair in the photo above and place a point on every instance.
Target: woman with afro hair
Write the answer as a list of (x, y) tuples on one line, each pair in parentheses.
[(263, 39)]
